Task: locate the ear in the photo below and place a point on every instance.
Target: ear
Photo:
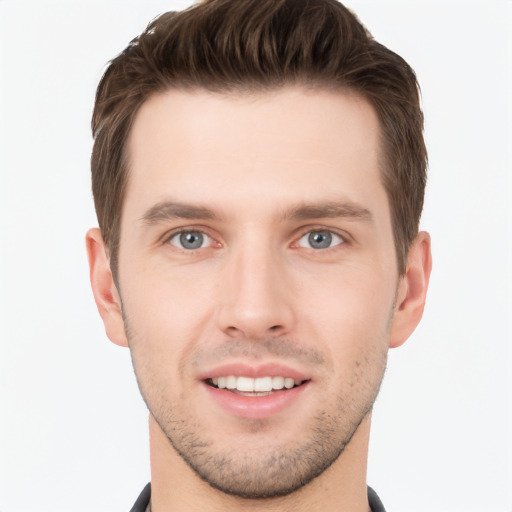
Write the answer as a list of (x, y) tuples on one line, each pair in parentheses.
[(412, 290), (104, 289)]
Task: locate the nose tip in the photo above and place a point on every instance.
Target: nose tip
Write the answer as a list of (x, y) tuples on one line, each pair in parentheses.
[(256, 300), (253, 329)]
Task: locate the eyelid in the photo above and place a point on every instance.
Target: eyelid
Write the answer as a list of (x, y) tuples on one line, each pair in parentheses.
[(305, 230), (335, 239), (346, 239), (205, 242), (166, 238)]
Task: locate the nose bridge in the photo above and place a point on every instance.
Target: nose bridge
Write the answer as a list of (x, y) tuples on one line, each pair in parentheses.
[(256, 300)]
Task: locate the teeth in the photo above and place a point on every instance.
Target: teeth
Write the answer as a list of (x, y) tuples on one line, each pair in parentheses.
[(289, 383), (263, 384), (277, 382), (260, 384), (231, 382), (245, 384)]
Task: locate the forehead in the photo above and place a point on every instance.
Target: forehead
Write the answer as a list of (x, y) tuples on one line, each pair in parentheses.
[(283, 145)]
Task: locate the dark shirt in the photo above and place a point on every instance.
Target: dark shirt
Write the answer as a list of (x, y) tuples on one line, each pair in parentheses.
[(143, 500)]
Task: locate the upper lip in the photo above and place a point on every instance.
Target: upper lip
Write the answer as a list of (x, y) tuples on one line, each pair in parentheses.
[(241, 369)]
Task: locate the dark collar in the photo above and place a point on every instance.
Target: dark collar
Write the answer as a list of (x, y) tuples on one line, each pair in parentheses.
[(143, 500), (374, 501)]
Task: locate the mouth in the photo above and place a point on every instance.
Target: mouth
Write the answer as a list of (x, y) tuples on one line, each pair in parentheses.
[(256, 391), (254, 387)]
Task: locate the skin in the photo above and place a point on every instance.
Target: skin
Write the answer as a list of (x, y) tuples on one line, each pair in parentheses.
[(279, 166)]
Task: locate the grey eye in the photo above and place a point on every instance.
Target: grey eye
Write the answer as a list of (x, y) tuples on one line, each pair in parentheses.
[(322, 239), (190, 240)]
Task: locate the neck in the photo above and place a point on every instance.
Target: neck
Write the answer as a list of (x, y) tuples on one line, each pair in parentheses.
[(176, 487)]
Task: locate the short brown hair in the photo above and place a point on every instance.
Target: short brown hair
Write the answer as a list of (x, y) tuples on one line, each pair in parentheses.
[(257, 45)]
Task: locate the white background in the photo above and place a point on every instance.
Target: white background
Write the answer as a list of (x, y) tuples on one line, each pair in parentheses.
[(73, 433)]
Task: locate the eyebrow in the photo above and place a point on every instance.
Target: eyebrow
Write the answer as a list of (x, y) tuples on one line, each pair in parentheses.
[(332, 209), (169, 210)]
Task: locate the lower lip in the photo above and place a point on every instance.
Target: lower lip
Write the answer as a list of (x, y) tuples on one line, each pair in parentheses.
[(255, 407)]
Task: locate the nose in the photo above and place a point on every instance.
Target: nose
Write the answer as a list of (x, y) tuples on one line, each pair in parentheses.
[(256, 297)]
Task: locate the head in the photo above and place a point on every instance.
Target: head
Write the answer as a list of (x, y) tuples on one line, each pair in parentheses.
[(258, 173), (245, 47)]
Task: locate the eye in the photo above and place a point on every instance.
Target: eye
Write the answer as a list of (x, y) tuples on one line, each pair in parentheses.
[(190, 240), (321, 239)]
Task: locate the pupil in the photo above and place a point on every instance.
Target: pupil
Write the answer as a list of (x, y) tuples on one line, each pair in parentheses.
[(320, 239), (192, 240)]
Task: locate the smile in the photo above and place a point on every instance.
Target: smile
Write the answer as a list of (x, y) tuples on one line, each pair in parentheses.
[(255, 397), (254, 385)]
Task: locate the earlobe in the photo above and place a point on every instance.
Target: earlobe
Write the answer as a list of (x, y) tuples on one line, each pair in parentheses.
[(412, 290), (104, 289)]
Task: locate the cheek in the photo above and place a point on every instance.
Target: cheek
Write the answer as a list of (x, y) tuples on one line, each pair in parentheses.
[(162, 316), (351, 303), (164, 298), (350, 321)]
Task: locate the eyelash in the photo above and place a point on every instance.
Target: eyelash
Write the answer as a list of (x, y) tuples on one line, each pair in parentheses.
[(343, 239), (180, 232), (335, 237)]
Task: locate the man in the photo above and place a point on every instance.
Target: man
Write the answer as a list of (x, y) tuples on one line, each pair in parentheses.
[(258, 174)]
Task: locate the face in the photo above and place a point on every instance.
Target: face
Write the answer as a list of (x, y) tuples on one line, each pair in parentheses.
[(258, 279)]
